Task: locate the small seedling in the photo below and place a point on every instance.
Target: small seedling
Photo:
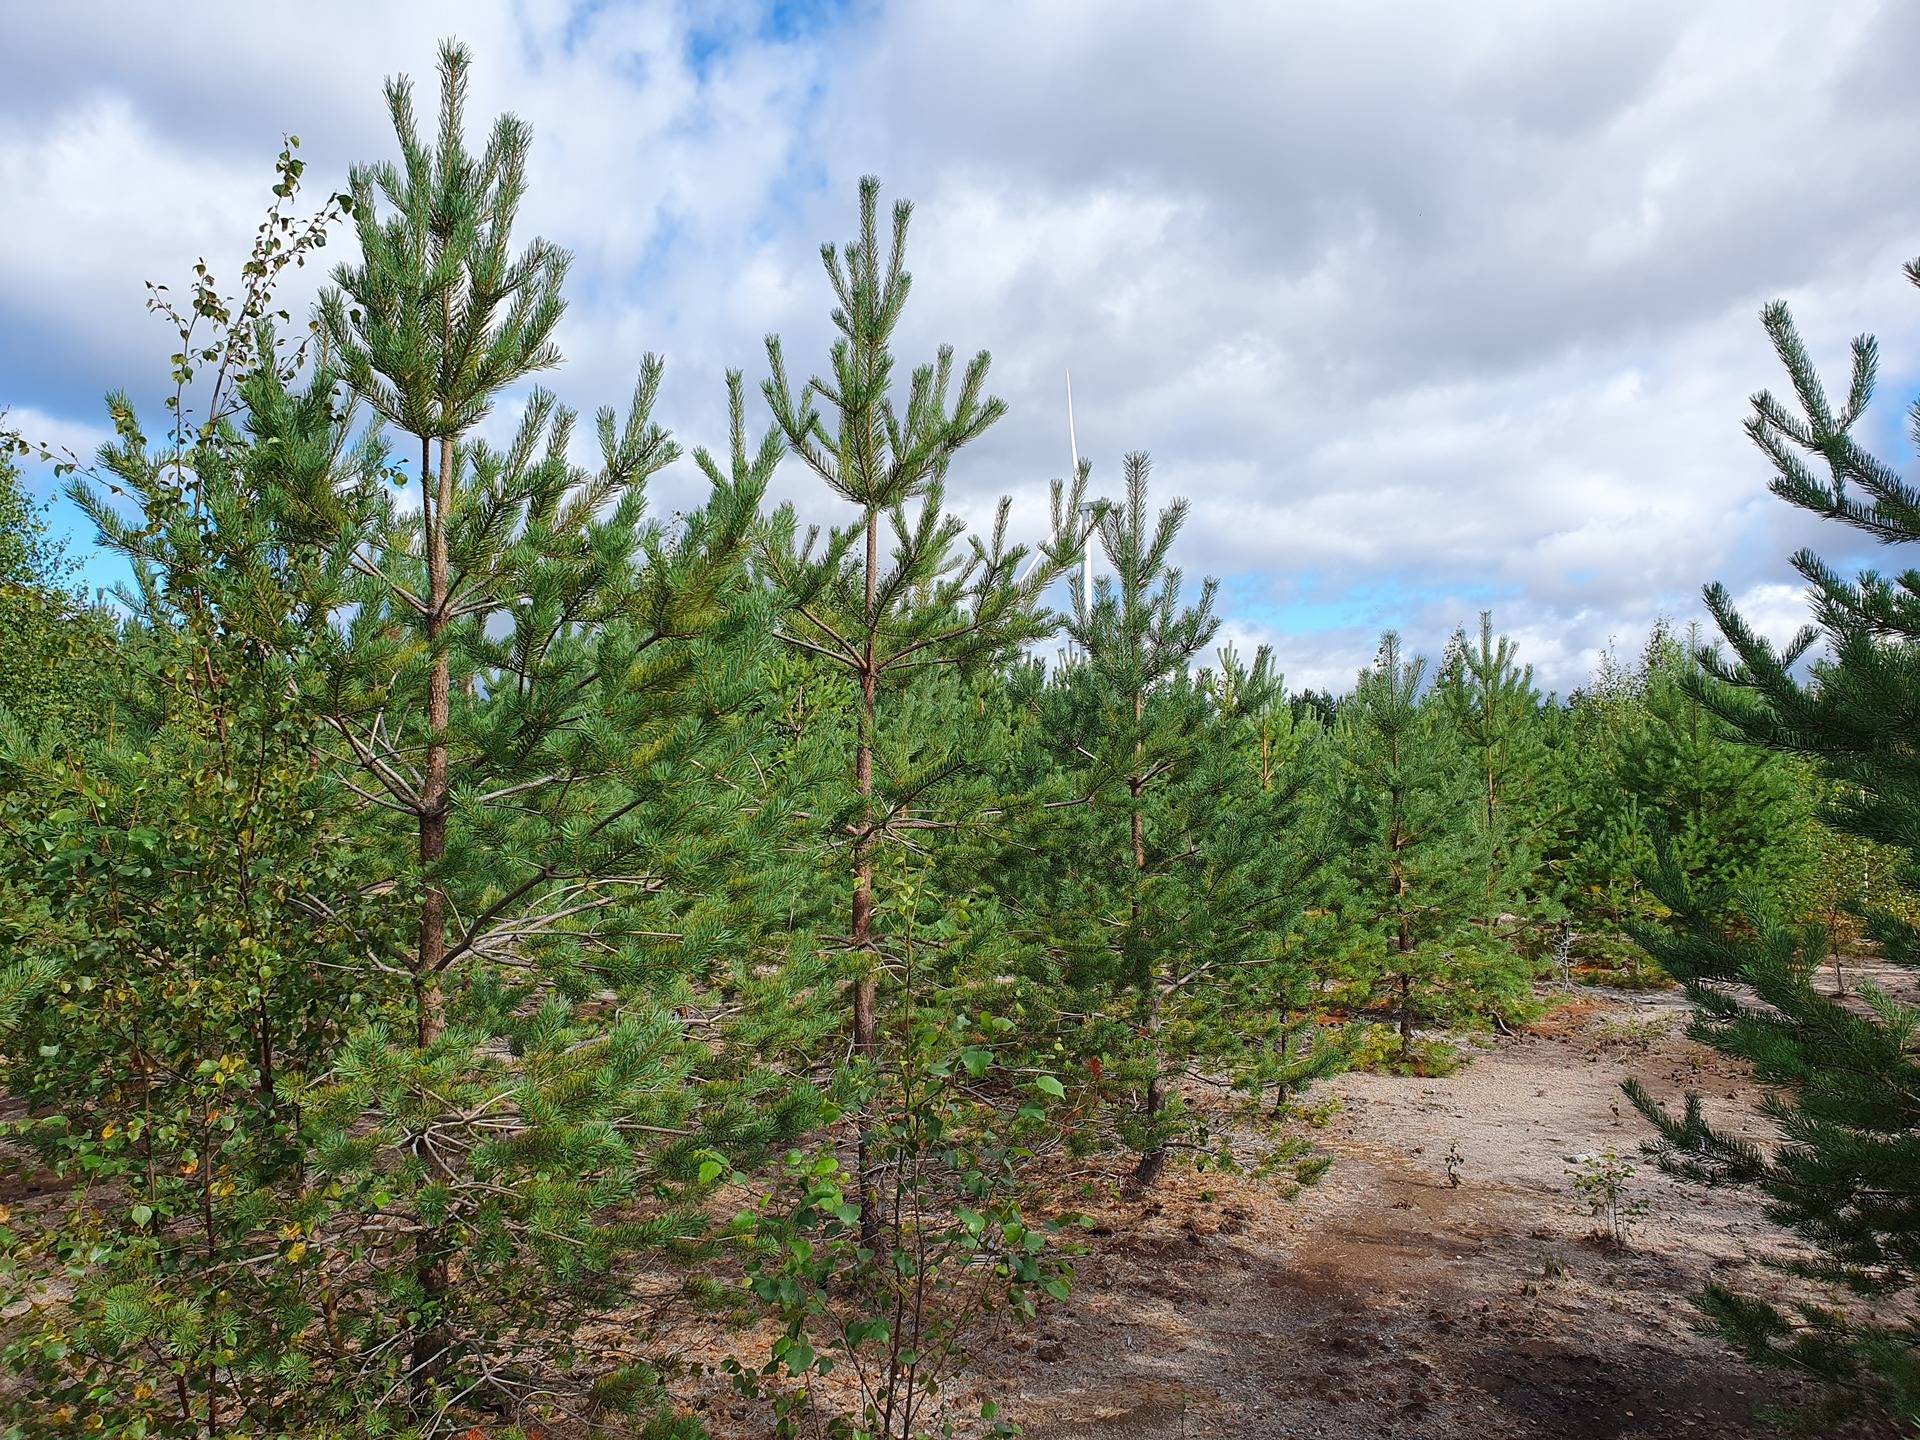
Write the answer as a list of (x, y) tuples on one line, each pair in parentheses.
[(1604, 1182), (1454, 1161)]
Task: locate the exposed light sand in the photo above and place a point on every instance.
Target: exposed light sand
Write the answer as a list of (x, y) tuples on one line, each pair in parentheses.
[(1385, 1304)]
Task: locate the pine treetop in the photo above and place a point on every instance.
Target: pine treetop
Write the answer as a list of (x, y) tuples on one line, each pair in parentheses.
[(903, 586), (440, 314)]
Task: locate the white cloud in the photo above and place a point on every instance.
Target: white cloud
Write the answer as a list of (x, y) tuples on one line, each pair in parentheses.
[(69, 440), (1774, 610), (88, 187), (1425, 309)]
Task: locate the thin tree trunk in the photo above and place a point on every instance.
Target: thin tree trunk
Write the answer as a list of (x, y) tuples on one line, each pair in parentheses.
[(211, 1250), (1155, 1159), (1493, 843), (1403, 932), (1404, 941), (1283, 1091), (269, 1103), (1397, 840), (429, 1352), (430, 1012), (866, 1026)]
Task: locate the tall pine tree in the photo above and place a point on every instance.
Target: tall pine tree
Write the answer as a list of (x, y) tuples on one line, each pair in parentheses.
[(434, 322), (551, 693), (901, 588), (1167, 883), (1844, 1079), (1133, 712)]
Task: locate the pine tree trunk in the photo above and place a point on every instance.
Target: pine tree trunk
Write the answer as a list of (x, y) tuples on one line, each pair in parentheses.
[(430, 1344), (1403, 933), (866, 1028), (1405, 943), (430, 1004), (1155, 1159), (1283, 1090), (1493, 844)]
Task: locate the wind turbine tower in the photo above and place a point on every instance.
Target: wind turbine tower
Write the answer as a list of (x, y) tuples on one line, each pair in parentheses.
[(1086, 555)]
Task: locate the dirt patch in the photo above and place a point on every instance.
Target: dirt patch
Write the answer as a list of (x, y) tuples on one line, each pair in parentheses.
[(1387, 1304), (1383, 1303)]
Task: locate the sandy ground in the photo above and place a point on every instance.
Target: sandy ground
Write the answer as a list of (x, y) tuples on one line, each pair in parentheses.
[(1385, 1304)]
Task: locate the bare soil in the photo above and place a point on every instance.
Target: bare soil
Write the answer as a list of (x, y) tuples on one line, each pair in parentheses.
[(1385, 1303)]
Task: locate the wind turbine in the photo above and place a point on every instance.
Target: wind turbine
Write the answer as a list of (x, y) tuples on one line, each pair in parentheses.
[(1086, 554), (1086, 508)]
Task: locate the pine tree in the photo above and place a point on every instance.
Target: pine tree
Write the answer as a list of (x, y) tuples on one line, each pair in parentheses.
[(1130, 707), (1648, 755), (881, 614), (1495, 708), (435, 321), (1409, 805), (1844, 1079), (1733, 816), (1262, 831), (1155, 887), (553, 693), (1604, 849), (54, 648), (1163, 880)]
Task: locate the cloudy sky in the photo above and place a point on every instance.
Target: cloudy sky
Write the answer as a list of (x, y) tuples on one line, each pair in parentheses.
[(1427, 309)]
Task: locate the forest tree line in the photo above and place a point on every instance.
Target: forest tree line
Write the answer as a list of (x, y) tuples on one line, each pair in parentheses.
[(439, 896)]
